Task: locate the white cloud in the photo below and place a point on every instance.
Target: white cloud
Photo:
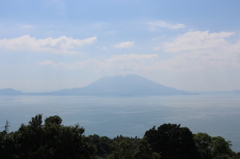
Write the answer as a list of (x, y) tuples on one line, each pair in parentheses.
[(154, 26), (200, 50), (198, 40), (27, 26), (61, 45), (126, 44), (192, 51), (103, 48), (115, 63), (47, 62)]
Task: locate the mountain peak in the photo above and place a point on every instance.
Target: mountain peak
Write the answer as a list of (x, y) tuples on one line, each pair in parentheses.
[(123, 76), (128, 85), (10, 91)]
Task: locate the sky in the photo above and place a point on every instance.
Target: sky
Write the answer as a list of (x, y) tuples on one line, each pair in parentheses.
[(48, 45)]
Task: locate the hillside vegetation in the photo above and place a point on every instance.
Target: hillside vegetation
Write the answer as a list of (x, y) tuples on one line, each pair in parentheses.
[(53, 140)]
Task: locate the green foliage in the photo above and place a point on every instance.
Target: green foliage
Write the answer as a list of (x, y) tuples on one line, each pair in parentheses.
[(171, 141), (131, 148), (145, 152), (123, 150), (53, 120), (53, 140), (221, 148), (204, 142), (213, 147), (103, 145)]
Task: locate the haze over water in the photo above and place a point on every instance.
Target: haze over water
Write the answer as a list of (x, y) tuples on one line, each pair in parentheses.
[(217, 115)]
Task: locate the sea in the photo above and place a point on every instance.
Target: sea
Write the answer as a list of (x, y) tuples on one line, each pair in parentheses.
[(217, 115)]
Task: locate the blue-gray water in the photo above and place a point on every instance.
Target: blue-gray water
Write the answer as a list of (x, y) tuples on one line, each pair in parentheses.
[(217, 115)]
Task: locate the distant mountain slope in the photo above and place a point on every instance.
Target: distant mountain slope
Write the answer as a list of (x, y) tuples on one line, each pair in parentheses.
[(10, 91), (122, 85), (129, 85), (220, 92)]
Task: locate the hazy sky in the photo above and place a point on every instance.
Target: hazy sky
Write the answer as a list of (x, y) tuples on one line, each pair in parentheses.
[(54, 44)]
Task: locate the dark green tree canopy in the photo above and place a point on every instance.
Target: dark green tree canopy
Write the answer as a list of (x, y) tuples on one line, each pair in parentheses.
[(172, 142), (55, 120), (51, 139), (213, 147)]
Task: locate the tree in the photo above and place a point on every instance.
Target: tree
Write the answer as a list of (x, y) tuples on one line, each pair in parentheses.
[(172, 142), (204, 145), (213, 147), (145, 152), (221, 148), (131, 148), (51, 140), (55, 120), (103, 144)]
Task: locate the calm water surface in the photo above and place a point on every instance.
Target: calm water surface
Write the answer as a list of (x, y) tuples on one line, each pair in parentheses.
[(217, 115)]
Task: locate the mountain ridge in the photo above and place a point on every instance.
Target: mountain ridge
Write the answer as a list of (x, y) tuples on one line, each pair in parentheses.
[(10, 91), (128, 85)]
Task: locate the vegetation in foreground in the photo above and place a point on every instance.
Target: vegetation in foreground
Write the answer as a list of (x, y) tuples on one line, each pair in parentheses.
[(53, 140)]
